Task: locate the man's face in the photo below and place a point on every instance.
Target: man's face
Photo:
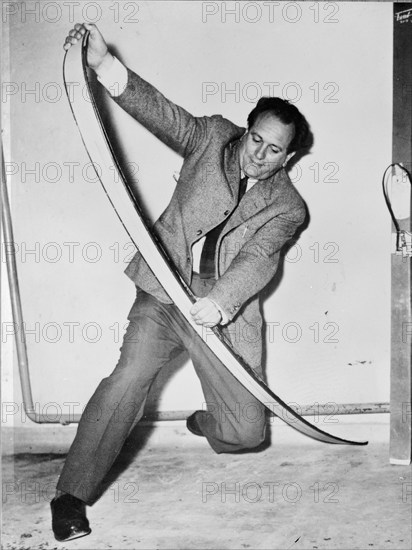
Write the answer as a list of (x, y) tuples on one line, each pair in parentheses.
[(264, 148)]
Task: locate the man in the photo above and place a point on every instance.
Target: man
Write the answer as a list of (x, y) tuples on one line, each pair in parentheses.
[(232, 211)]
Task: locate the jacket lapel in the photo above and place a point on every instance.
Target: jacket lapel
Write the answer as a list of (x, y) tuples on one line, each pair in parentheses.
[(259, 197)]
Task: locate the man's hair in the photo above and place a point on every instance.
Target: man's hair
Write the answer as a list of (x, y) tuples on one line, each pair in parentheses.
[(287, 113)]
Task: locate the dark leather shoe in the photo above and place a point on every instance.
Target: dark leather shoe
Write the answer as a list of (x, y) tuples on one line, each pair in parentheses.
[(192, 424), (69, 518)]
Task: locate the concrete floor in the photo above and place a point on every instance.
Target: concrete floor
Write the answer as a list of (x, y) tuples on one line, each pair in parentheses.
[(170, 491)]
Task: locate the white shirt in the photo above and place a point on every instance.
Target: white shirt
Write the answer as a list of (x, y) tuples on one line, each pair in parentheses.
[(113, 77), (198, 245)]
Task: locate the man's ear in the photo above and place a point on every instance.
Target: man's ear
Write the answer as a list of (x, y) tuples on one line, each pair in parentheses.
[(288, 157)]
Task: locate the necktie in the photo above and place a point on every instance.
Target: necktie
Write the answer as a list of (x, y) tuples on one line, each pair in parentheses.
[(207, 258)]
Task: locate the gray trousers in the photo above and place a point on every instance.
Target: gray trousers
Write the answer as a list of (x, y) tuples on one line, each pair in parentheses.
[(233, 420)]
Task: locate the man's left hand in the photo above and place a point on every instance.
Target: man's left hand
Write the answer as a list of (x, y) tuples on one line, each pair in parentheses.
[(205, 312)]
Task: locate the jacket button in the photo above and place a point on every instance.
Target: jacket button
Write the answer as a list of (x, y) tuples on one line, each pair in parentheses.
[(188, 260), (226, 212), (199, 232)]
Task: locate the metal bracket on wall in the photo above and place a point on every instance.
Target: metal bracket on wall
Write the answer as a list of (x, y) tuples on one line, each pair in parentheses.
[(404, 244)]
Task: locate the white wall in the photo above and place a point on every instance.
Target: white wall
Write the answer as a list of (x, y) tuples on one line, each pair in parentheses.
[(336, 62)]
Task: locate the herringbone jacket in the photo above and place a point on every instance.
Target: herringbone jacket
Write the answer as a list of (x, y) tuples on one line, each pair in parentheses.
[(207, 193)]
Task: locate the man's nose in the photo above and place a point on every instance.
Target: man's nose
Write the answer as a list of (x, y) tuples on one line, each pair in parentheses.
[(260, 152)]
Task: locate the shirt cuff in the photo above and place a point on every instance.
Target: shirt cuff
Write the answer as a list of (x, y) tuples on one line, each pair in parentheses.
[(225, 318), (114, 78)]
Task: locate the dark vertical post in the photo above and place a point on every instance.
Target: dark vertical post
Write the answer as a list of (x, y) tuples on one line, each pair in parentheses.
[(401, 322)]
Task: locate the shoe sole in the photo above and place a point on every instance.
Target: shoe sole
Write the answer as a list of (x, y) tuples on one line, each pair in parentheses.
[(76, 536)]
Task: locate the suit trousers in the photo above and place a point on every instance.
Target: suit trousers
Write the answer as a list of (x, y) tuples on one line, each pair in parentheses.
[(233, 420)]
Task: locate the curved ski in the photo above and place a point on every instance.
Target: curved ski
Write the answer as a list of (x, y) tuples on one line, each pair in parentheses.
[(98, 148)]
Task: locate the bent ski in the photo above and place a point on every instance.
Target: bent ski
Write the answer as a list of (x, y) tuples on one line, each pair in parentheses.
[(97, 144)]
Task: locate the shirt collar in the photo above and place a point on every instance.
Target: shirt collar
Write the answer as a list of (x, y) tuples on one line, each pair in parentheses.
[(250, 181)]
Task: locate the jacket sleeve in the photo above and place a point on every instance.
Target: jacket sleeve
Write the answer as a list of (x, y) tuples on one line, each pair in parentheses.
[(170, 123), (256, 263)]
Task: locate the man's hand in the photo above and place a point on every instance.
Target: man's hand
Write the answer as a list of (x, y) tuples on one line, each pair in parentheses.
[(205, 312), (98, 55)]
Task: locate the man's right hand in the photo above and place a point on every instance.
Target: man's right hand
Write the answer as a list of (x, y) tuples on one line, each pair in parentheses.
[(98, 55)]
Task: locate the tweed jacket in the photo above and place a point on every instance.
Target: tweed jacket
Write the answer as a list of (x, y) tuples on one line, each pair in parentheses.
[(206, 194)]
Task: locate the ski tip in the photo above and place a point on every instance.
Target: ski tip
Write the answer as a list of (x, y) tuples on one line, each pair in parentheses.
[(357, 443)]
